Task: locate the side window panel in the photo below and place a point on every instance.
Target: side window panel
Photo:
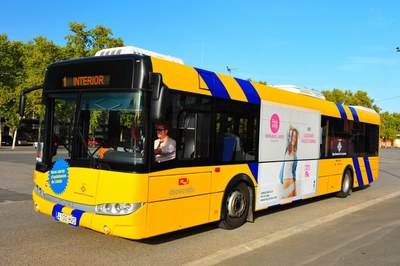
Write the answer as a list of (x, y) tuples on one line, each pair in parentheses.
[(194, 135), (190, 117), (236, 131), (372, 140), (346, 138)]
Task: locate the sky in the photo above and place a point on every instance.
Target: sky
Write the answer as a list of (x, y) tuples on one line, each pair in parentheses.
[(315, 44)]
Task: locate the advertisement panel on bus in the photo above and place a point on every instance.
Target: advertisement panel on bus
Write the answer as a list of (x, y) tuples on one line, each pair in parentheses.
[(289, 152)]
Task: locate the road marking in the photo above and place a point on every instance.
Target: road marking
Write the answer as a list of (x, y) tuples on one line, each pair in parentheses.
[(230, 253)]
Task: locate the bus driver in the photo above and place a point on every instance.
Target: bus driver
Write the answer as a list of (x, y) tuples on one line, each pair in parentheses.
[(164, 146)]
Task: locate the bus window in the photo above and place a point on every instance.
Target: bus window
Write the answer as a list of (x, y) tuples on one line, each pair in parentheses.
[(194, 135), (236, 131), (372, 140), (190, 117), (106, 126), (345, 138)]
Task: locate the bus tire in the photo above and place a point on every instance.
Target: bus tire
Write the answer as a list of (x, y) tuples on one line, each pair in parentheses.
[(347, 184), (236, 206)]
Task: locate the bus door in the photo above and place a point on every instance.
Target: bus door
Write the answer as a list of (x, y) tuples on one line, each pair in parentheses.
[(179, 197)]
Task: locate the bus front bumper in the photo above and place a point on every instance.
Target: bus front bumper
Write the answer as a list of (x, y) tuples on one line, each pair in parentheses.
[(130, 226)]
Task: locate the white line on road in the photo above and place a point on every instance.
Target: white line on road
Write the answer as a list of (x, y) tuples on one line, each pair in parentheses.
[(230, 253)]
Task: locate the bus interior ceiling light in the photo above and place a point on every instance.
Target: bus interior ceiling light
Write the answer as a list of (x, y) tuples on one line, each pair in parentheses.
[(139, 51)]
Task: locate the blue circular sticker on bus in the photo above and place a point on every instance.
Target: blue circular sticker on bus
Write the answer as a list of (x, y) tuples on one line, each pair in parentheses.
[(58, 176)]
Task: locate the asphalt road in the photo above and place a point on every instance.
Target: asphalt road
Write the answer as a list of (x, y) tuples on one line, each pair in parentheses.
[(363, 229)]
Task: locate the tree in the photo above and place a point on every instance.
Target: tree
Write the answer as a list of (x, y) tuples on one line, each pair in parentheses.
[(38, 54), (101, 38), (10, 65), (11, 75), (84, 42), (390, 125), (78, 43), (360, 98)]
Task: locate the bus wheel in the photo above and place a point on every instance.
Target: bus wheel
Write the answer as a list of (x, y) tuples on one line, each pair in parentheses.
[(347, 184), (235, 207)]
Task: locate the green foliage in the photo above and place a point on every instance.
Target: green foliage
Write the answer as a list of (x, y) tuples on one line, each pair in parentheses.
[(390, 125), (11, 76), (360, 98), (11, 67), (38, 54), (78, 43), (388, 129), (84, 42)]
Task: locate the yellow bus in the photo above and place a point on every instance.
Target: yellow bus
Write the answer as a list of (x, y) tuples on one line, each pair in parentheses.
[(137, 144)]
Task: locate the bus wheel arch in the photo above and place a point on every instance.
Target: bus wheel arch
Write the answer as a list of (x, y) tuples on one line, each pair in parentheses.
[(238, 202), (347, 183)]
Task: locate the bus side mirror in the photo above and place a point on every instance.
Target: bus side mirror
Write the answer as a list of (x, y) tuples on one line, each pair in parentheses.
[(22, 103), (22, 98), (158, 97)]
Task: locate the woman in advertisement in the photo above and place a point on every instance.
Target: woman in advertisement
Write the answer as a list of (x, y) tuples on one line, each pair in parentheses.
[(288, 170)]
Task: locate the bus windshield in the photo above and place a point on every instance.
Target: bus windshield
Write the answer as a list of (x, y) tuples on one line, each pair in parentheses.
[(105, 127)]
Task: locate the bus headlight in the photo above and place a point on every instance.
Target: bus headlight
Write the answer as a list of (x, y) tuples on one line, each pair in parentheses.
[(117, 208)]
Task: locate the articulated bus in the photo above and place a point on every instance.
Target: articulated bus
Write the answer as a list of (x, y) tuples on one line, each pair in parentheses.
[(237, 146)]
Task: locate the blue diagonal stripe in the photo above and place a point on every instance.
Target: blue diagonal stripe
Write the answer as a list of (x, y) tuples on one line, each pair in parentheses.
[(249, 90), (254, 170), (341, 110), (368, 169), (358, 172), (214, 84), (354, 113)]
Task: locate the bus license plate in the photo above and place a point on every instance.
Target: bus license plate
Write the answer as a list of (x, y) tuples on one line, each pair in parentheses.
[(65, 218)]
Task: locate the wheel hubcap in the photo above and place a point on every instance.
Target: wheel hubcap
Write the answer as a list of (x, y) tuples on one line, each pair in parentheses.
[(236, 204), (346, 183)]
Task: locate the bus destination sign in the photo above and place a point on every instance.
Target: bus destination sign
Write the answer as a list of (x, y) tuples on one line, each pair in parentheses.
[(86, 81)]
